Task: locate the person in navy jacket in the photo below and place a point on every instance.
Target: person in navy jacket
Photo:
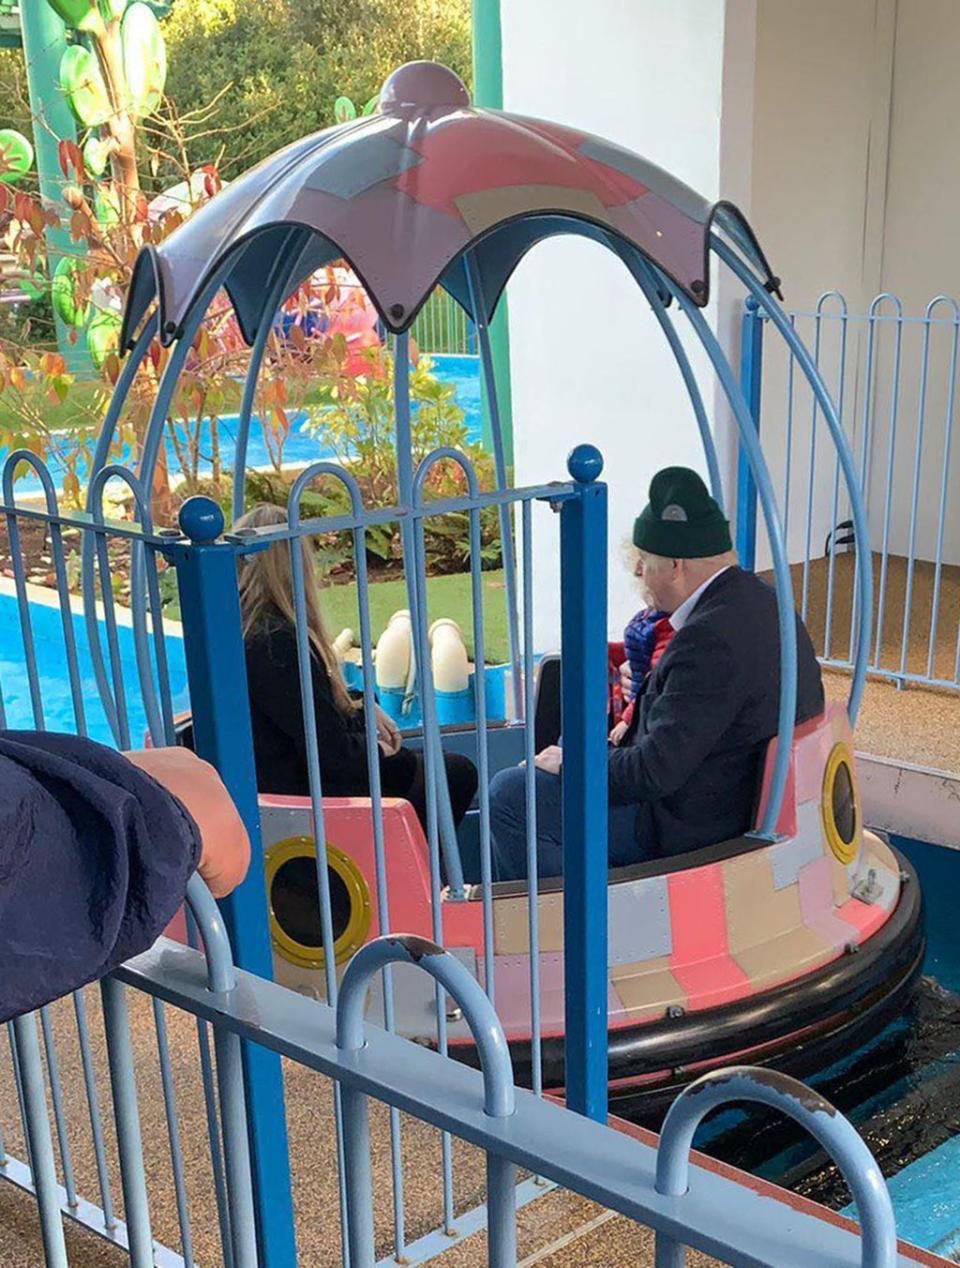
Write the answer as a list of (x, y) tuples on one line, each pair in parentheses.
[(686, 774), (96, 848)]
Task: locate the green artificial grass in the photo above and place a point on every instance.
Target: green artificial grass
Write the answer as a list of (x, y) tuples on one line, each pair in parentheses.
[(446, 596)]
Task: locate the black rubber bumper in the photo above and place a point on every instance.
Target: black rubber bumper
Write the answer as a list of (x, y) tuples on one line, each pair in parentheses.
[(798, 1027)]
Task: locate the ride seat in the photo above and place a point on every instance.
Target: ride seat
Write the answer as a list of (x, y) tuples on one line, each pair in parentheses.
[(287, 835), (398, 814), (814, 741)]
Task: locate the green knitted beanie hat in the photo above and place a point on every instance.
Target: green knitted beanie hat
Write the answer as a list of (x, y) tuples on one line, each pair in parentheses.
[(681, 520)]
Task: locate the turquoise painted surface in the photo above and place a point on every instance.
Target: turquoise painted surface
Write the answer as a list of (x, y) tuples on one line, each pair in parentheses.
[(52, 669)]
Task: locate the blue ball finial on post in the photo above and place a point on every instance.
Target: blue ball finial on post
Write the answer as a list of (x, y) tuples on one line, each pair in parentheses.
[(201, 519), (585, 463)]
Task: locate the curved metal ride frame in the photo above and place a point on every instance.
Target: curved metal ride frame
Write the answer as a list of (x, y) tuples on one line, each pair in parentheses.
[(432, 191)]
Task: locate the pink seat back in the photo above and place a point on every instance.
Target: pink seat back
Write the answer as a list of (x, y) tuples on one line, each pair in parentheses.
[(812, 743)]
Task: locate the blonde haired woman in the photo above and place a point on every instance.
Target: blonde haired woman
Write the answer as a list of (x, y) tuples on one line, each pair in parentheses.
[(266, 601)]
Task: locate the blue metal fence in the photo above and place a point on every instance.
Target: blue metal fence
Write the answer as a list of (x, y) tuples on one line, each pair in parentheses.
[(206, 562), (893, 377), (255, 1020), (704, 1209)]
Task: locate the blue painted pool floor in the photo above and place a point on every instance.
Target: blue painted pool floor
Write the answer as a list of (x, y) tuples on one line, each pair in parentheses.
[(462, 373), (53, 685), (926, 1192)]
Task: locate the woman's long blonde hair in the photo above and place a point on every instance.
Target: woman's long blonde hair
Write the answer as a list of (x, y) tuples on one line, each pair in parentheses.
[(266, 591)]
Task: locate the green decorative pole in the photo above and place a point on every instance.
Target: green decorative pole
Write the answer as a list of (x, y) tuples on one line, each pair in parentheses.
[(488, 91), (44, 40)]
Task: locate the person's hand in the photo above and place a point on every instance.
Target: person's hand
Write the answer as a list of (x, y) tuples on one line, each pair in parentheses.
[(388, 733), (618, 732), (550, 760), (224, 845), (626, 680)]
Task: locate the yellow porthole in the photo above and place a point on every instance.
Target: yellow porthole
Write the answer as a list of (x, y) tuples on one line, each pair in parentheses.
[(840, 804), (294, 903)]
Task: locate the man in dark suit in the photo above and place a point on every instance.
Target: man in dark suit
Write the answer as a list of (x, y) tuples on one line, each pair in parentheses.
[(687, 772)]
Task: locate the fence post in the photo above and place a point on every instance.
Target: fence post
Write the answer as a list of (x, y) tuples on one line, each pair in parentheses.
[(217, 676), (36, 1127), (751, 381), (583, 622), (837, 1137)]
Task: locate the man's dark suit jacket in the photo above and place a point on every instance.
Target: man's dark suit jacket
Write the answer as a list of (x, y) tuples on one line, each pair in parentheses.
[(692, 760)]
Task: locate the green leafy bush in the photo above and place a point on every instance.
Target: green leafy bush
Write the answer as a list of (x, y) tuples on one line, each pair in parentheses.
[(287, 61), (354, 416)]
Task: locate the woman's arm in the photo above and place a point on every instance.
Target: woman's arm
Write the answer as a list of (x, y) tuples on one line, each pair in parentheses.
[(273, 672), (224, 845)]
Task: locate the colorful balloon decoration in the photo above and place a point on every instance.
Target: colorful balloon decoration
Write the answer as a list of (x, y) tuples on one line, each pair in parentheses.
[(17, 154), (63, 293), (103, 335), (112, 80), (144, 59), (85, 15), (144, 56), (96, 155), (83, 86), (344, 110)]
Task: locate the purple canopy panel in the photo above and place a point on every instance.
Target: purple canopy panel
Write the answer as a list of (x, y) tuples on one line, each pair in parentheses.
[(402, 194)]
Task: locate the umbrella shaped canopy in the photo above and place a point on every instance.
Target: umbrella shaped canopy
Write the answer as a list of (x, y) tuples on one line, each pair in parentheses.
[(405, 194)]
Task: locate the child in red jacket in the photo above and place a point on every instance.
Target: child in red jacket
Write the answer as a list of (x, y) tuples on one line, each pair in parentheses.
[(644, 641)]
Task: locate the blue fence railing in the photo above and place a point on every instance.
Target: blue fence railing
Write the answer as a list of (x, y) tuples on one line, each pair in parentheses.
[(703, 1209), (253, 1022), (893, 377), (115, 668)]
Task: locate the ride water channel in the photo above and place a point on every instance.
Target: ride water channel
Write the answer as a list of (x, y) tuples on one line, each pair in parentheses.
[(901, 1090)]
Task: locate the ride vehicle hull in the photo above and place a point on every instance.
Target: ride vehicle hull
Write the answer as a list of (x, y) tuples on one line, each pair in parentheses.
[(776, 952)]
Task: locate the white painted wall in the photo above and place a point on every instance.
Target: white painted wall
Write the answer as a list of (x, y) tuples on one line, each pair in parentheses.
[(819, 67), (587, 360), (831, 126), (921, 258), (854, 187), (819, 142)]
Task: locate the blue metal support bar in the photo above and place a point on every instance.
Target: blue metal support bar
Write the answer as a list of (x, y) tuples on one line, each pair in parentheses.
[(785, 612), (583, 622), (37, 1130), (489, 383), (217, 675), (498, 1100), (432, 744), (278, 284), (304, 480), (133, 1180), (751, 367), (647, 283), (831, 1131)]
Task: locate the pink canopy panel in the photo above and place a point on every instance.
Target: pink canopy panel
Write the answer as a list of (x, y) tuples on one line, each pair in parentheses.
[(402, 195)]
